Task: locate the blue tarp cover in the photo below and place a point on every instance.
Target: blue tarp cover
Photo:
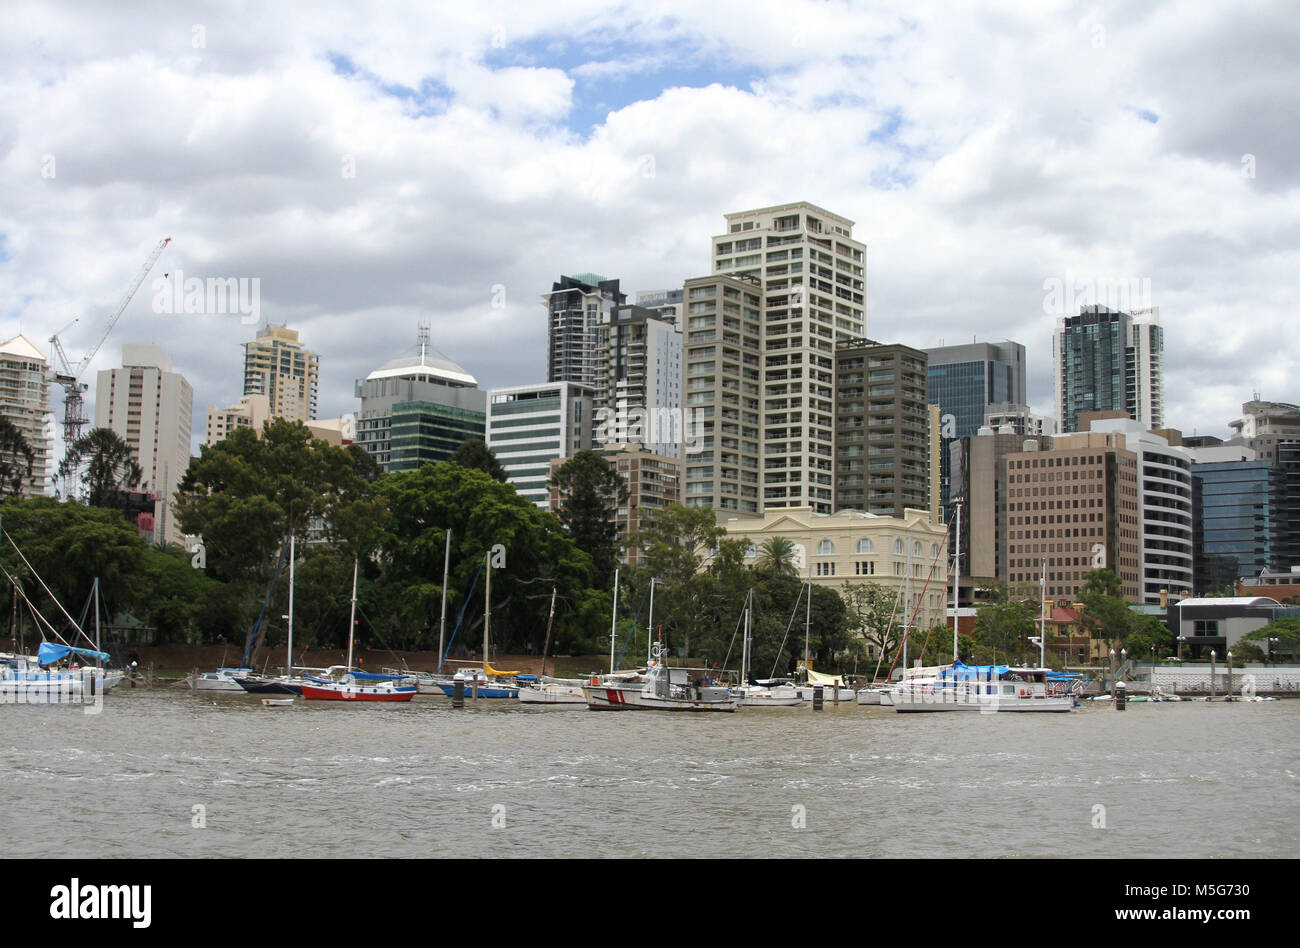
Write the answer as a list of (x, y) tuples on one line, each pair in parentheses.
[(51, 652)]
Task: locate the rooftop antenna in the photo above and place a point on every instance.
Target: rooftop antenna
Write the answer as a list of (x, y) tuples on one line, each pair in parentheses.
[(422, 337)]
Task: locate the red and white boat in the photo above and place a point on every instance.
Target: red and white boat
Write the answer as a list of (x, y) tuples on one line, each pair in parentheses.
[(349, 685)]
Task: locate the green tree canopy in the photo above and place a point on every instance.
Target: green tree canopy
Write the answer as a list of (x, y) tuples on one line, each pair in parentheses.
[(777, 555), (16, 459), (100, 468), (590, 491), (475, 454)]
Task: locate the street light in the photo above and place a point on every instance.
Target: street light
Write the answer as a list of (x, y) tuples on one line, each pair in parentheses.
[(1271, 643), (1123, 659), (1181, 640), (1230, 674)]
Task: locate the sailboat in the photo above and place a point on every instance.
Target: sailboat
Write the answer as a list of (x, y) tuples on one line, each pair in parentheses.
[(487, 682), (349, 685), (813, 679), (288, 683), (764, 694)]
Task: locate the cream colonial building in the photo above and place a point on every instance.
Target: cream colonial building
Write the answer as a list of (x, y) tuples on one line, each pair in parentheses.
[(859, 547)]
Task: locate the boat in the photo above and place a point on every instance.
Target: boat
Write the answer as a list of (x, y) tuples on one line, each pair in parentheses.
[(276, 702), (664, 689), (562, 691), (834, 688), (348, 685), (872, 697), (768, 693), (223, 679), (985, 688), (28, 680), (288, 683), (490, 682)]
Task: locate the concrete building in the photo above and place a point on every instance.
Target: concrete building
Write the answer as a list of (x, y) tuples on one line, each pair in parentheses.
[(252, 411), (668, 305), (1107, 360), (723, 374), (638, 391), (1020, 419), (979, 484), (528, 426), (1074, 508), (653, 482), (882, 428), (151, 408), (1165, 502), (25, 404), (1264, 425), (1235, 516), (1217, 624), (576, 308), (418, 408), (279, 366), (811, 279), (907, 555), (965, 381)]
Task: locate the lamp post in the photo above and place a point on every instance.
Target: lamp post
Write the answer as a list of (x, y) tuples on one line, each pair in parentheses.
[(1112, 673), (1123, 659), (1229, 675), (1212, 658), (1181, 640), (1271, 643)]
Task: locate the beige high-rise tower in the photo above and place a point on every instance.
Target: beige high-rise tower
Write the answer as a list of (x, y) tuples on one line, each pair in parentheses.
[(765, 373), (151, 408), (25, 403), (280, 367)]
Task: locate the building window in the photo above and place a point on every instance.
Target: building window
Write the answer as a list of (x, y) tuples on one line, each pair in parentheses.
[(866, 546), (825, 548)]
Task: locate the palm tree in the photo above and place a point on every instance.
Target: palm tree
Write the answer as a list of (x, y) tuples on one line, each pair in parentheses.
[(777, 555), (16, 459), (104, 467)]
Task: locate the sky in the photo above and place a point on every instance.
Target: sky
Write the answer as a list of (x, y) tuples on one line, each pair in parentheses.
[(364, 170)]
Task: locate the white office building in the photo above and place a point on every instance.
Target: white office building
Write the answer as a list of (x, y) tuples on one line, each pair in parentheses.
[(530, 425)]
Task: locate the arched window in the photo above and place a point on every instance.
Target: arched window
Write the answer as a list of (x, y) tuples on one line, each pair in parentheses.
[(825, 548), (866, 546), (898, 547), (916, 547), (934, 549), (751, 550)]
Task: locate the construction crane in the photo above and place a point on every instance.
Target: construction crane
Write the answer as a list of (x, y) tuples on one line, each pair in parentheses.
[(70, 377)]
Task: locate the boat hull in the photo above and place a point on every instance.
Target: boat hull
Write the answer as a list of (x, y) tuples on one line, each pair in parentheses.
[(568, 695), (923, 699), (484, 691), (609, 698), (355, 693)]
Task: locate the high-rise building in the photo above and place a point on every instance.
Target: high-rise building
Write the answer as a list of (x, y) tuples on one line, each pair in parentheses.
[(1106, 360), (882, 428), (25, 404), (1165, 506), (979, 484), (418, 408), (151, 408), (811, 279), (1020, 419), (1074, 508), (723, 371), (638, 391), (1235, 507), (530, 425), (666, 303), (964, 381), (576, 308), (280, 367)]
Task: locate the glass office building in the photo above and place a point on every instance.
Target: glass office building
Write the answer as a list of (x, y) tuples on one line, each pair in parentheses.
[(1235, 518)]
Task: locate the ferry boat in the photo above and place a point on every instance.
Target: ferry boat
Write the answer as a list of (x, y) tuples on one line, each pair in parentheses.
[(985, 688), (664, 689)]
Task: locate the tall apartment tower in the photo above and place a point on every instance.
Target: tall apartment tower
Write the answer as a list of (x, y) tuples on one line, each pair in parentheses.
[(280, 367), (25, 404), (1264, 425), (639, 381), (810, 278), (1107, 360), (151, 408), (965, 381), (882, 428), (576, 308)]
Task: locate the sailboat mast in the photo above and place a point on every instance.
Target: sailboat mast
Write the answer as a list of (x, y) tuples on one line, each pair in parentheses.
[(907, 607), (807, 619), (956, 578), (352, 619), (650, 625), (97, 648), (288, 668), (1042, 621), (613, 620), (442, 622), (487, 609), (549, 619)]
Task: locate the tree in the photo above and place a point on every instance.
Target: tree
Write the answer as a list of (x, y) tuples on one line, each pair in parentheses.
[(476, 455), (777, 555), (1105, 612), (102, 468), (16, 459), (1254, 646), (874, 611), (1003, 627), (590, 492)]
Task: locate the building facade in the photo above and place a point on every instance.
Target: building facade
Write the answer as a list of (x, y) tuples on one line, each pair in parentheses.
[(252, 411), (418, 409), (882, 428), (1071, 509), (528, 426), (1106, 360), (25, 404), (151, 408), (576, 308), (638, 392), (279, 366)]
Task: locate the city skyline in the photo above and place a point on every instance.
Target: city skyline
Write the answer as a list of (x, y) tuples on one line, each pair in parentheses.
[(988, 200)]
